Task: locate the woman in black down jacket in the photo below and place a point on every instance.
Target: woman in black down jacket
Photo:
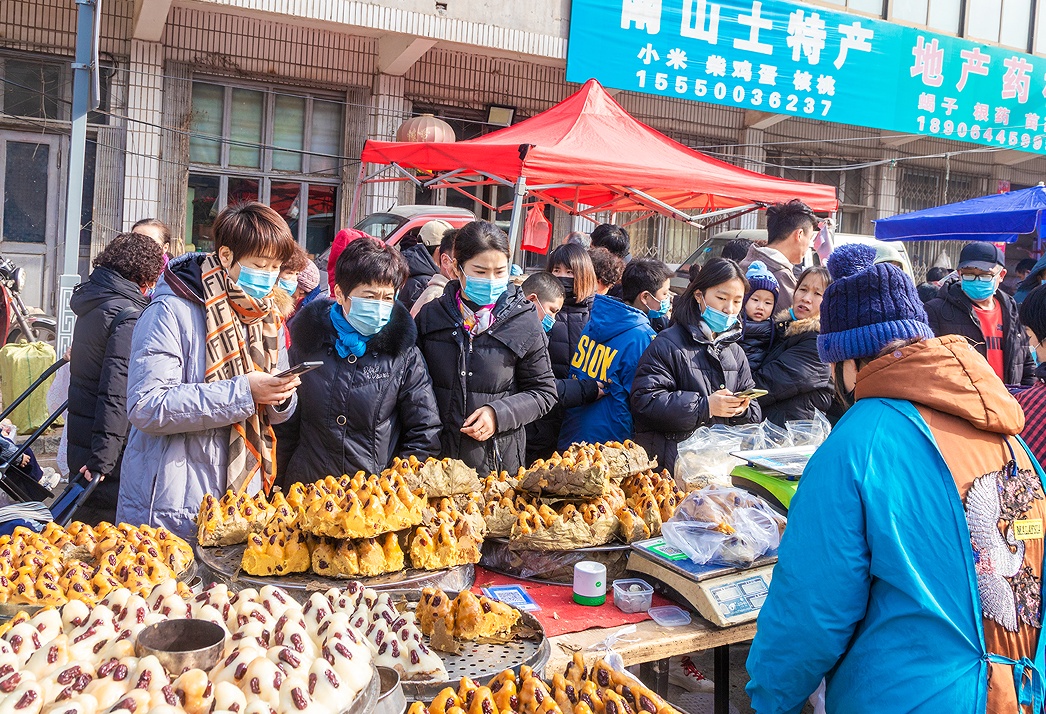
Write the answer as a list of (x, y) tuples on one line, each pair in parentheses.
[(372, 398), (688, 376), (107, 306), (798, 382), (572, 264), (487, 354)]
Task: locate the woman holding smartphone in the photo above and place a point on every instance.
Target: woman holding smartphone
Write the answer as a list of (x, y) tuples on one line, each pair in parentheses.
[(488, 355), (371, 399), (688, 376), (202, 390)]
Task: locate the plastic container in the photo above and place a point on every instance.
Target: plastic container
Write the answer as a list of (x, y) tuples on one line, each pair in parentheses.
[(633, 595), (669, 616), (590, 583)]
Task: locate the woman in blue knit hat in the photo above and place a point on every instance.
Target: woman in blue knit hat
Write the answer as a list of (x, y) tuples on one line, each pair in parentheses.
[(688, 376), (910, 573)]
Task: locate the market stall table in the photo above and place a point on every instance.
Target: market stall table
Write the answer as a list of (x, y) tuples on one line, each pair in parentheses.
[(650, 646)]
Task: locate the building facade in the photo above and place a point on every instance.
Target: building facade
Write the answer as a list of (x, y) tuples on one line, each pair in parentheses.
[(214, 101)]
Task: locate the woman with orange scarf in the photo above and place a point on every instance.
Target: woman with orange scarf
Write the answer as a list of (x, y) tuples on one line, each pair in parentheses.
[(202, 394)]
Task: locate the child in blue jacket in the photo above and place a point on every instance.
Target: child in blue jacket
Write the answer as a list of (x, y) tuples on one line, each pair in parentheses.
[(617, 334)]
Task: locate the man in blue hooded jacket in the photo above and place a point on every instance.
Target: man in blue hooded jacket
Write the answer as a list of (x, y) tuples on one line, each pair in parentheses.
[(617, 334)]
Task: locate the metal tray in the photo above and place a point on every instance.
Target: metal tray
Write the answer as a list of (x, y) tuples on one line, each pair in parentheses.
[(479, 662), (554, 567), (367, 699), (224, 563), (10, 609)]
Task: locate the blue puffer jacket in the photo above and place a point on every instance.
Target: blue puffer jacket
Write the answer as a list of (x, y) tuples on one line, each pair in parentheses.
[(609, 350), (876, 588)]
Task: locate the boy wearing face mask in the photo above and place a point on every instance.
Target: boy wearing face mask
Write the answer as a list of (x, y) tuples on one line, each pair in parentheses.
[(974, 307), (372, 398), (617, 334), (547, 293)]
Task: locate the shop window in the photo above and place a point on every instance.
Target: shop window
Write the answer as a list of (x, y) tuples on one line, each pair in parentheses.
[(1004, 21), (38, 88), (870, 7), (25, 192), (854, 187), (942, 15), (32, 88), (265, 144)]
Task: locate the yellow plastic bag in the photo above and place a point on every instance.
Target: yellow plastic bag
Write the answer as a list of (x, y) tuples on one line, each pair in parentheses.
[(21, 364)]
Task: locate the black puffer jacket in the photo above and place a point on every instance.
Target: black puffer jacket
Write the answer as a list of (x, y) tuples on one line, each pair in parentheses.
[(543, 435), (422, 268), (506, 368), (675, 376), (355, 415), (798, 382), (951, 313), (756, 340), (97, 423)]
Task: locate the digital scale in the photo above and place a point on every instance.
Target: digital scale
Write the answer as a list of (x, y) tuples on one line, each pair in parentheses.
[(772, 474), (723, 595)]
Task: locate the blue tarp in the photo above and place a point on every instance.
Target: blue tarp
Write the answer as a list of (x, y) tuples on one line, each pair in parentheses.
[(998, 218)]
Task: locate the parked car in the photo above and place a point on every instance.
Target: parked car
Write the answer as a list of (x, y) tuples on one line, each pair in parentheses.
[(399, 222), (713, 248)]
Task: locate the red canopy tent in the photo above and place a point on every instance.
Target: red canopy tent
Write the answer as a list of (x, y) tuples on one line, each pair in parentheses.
[(588, 155)]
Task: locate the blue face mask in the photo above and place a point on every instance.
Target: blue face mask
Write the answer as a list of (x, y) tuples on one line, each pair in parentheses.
[(367, 317), (289, 286), (718, 321), (977, 290), (547, 322), (485, 291), (661, 311), (257, 283)]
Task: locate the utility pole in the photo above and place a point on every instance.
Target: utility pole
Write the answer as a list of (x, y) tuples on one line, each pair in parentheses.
[(88, 14)]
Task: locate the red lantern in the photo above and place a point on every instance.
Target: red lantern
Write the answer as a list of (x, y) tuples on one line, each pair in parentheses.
[(425, 128)]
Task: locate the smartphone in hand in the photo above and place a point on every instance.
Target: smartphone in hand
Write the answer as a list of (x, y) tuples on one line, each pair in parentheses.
[(751, 393), (299, 369)]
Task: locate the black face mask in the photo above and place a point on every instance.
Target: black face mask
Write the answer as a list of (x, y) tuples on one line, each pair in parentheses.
[(568, 286)]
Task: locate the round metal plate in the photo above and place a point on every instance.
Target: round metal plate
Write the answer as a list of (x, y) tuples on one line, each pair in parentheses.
[(480, 662), (10, 609), (224, 562)]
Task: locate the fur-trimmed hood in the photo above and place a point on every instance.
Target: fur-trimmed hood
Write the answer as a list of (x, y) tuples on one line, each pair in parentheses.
[(794, 328), (312, 326)]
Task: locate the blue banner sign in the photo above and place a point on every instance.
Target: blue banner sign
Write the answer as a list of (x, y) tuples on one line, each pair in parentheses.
[(807, 61)]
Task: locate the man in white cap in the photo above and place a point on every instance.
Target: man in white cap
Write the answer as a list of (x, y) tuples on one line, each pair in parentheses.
[(444, 258), (418, 253)]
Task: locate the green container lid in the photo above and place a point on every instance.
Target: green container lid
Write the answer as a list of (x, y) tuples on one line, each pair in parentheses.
[(587, 600)]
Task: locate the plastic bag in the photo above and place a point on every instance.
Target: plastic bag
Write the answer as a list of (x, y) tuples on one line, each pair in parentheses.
[(724, 526), (810, 432), (704, 458)]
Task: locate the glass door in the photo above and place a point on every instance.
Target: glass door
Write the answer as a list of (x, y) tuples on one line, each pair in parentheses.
[(29, 211)]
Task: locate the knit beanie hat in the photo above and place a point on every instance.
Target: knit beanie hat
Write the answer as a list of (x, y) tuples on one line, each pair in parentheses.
[(309, 277), (867, 306), (760, 278)]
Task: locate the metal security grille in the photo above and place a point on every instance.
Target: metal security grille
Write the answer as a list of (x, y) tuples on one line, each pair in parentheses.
[(50, 26), (920, 188)]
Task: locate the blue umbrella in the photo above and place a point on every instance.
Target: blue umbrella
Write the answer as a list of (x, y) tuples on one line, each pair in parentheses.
[(998, 218)]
